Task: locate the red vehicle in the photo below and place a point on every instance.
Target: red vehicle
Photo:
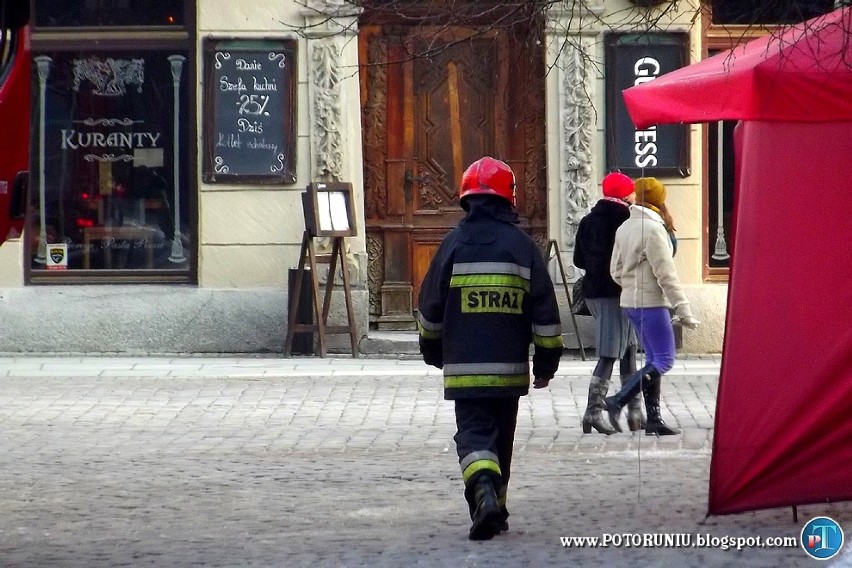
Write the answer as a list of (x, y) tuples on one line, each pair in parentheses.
[(14, 115)]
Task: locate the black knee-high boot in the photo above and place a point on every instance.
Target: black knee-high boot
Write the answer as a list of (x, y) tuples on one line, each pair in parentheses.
[(627, 366), (655, 424), (615, 403), (598, 387)]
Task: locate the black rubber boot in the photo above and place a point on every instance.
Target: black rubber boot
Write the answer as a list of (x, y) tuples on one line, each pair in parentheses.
[(655, 425), (504, 512), (504, 519), (487, 518), (615, 403), (593, 418)]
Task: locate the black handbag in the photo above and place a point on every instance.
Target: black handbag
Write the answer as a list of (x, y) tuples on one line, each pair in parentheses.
[(578, 299)]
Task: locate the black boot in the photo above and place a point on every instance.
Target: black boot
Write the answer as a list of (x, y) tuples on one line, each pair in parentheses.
[(487, 517), (655, 424), (504, 519), (504, 512), (629, 390), (593, 417), (627, 366), (635, 418)]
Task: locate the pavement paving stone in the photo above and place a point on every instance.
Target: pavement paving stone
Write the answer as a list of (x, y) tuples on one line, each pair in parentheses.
[(339, 462)]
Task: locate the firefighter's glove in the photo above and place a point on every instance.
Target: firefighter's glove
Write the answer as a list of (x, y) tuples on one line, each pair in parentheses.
[(540, 383), (683, 316), (432, 351), (434, 357)]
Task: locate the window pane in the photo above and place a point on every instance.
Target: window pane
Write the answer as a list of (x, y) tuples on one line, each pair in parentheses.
[(757, 12), (108, 192), (91, 13), (7, 44)]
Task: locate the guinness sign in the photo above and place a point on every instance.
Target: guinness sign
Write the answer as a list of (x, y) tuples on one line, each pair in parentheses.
[(633, 59)]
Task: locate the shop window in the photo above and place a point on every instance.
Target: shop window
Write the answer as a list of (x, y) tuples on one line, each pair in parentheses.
[(107, 188), (113, 13), (112, 185), (765, 12), (720, 195), (732, 22)]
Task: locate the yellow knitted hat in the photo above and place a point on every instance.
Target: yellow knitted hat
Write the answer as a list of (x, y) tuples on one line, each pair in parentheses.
[(651, 191)]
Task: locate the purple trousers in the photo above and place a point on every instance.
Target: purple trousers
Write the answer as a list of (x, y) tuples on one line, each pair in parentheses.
[(656, 335)]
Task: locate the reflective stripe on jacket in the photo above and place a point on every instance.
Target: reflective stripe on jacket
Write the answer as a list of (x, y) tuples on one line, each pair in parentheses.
[(486, 296)]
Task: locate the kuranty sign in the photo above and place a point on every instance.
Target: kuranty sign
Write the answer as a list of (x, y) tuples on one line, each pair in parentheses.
[(633, 59)]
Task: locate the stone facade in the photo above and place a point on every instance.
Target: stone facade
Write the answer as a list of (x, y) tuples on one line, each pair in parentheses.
[(249, 236)]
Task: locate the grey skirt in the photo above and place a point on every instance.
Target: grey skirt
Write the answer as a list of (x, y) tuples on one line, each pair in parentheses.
[(613, 331)]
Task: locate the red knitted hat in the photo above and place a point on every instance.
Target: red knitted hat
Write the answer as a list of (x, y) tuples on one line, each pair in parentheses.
[(617, 185)]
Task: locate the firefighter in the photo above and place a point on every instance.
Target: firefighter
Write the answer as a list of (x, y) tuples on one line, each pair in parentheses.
[(486, 296)]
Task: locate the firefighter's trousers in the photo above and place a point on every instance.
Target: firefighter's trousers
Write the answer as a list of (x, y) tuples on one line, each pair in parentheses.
[(484, 440)]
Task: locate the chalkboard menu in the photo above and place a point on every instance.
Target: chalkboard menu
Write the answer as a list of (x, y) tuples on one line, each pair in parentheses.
[(249, 111)]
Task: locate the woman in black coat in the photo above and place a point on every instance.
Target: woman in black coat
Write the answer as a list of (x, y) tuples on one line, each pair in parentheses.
[(615, 337)]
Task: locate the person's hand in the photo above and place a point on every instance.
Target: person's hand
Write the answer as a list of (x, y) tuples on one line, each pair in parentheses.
[(683, 316), (540, 383), (688, 321)]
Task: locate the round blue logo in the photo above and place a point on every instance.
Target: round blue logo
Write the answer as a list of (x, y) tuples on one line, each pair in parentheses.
[(821, 538)]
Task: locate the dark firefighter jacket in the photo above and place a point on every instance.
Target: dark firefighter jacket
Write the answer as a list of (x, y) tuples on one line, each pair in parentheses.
[(486, 296)]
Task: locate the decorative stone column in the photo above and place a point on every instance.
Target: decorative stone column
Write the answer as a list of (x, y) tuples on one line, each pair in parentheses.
[(331, 29), (570, 37), (329, 25)]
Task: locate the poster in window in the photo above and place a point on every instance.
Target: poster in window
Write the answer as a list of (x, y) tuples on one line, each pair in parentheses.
[(633, 59)]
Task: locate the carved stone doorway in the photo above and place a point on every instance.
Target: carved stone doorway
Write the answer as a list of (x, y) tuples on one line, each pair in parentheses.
[(434, 99)]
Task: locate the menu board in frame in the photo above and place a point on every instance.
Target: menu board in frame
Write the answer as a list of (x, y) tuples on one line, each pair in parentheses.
[(249, 111)]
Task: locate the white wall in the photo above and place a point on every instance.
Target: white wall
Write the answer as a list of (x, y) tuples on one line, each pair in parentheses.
[(250, 235), (588, 22)]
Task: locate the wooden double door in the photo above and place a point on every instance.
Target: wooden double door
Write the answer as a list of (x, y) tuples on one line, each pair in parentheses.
[(433, 101)]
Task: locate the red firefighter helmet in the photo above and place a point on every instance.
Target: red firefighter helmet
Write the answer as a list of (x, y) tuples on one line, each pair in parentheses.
[(490, 177)]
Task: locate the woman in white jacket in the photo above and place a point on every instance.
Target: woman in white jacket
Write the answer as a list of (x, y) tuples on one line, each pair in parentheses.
[(643, 265)]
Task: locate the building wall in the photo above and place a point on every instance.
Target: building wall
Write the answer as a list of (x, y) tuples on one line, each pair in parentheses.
[(577, 137), (249, 235)]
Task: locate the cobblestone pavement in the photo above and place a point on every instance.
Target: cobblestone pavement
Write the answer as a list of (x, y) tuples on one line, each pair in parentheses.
[(339, 462)]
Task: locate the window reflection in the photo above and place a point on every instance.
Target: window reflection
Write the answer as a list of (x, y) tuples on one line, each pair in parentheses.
[(104, 181), (720, 195), (91, 13), (763, 12)]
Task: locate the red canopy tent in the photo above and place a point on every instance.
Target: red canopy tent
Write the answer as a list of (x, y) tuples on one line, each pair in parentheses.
[(783, 432)]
